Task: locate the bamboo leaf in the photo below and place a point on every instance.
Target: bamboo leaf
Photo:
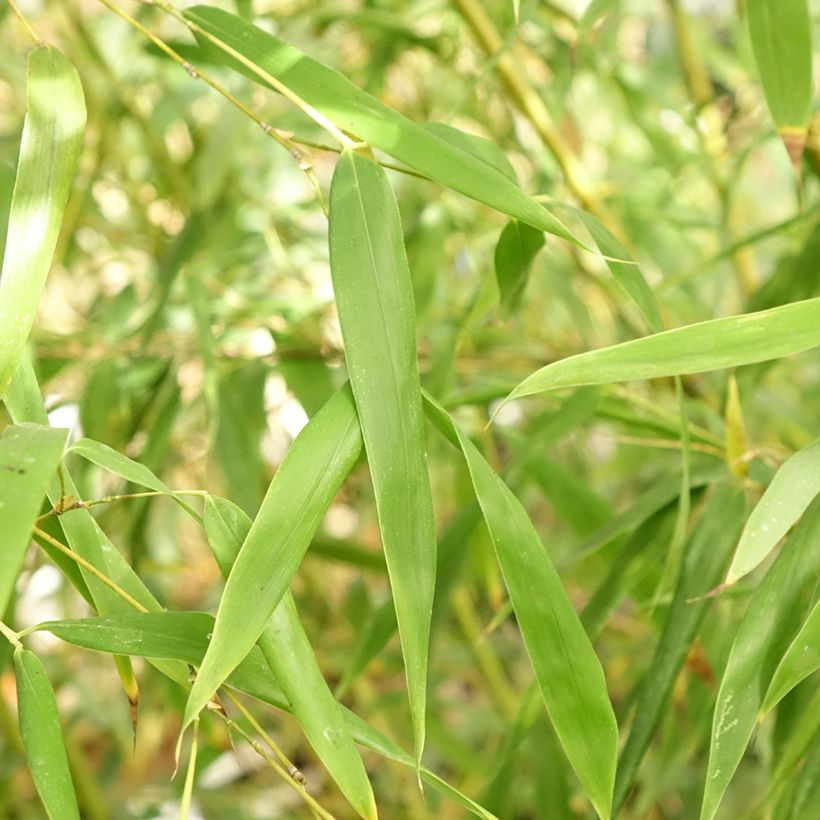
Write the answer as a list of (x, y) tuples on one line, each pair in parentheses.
[(115, 462), (780, 32), (288, 651), (315, 466), (356, 112), (569, 673), (479, 147), (626, 273), (705, 557), (792, 489), (43, 738), (374, 296), (52, 137), (515, 251), (185, 636), (801, 659), (698, 348), (772, 616), (83, 533), (29, 455)]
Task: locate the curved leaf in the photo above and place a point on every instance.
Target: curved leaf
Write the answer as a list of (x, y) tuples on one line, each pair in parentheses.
[(568, 671), (792, 489), (773, 614), (356, 112), (802, 658), (698, 348)]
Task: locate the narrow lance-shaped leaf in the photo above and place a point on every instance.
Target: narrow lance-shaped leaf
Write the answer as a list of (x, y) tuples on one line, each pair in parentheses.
[(29, 455), (288, 651), (698, 348), (626, 273), (374, 296), (52, 136), (515, 251), (569, 673), (109, 459), (357, 112), (801, 659), (780, 32), (43, 738), (301, 491), (84, 535), (772, 616), (706, 554), (184, 636), (793, 488)]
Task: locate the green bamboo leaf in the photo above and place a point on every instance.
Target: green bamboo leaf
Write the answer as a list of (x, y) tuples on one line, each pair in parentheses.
[(698, 348), (780, 32), (185, 636), (705, 557), (374, 296), (169, 636), (479, 147), (515, 251), (792, 489), (301, 491), (83, 533), (569, 673), (115, 462), (626, 273), (803, 735), (356, 112), (773, 614), (29, 455), (52, 137), (288, 651), (802, 658), (43, 738)]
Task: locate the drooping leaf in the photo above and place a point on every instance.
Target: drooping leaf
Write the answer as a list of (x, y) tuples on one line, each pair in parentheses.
[(43, 737), (772, 616), (698, 348), (479, 147), (115, 462), (315, 466), (83, 533), (626, 273), (288, 652), (374, 296), (29, 455), (172, 636), (356, 112), (185, 636), (792, 489), (705, 556), (52, 137), (514, 253), (569, 673)]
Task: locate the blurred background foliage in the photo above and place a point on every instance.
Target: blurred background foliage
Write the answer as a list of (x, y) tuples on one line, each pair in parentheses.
[(189, 322)]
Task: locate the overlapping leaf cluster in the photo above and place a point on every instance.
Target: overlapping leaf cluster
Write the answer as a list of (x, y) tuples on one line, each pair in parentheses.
[(627, 620)]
